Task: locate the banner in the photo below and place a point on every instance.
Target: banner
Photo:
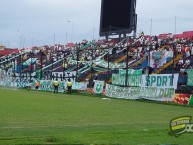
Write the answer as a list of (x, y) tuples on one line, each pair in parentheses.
[(98, 87), (159, 58), (18, 80), (64, 76), (133, 80), (184, 99), (7, 84), (133, 93), (157, 80), (190, 77), (47, 85), (30, 61), (15, 84), (79, 86), (130, 72), (160, 81)]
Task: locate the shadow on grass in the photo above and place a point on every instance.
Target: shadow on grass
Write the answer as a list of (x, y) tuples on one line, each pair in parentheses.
[(51, 139)]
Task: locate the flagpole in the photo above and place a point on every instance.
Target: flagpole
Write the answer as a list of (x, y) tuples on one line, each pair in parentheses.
[(175, 26), (151, 28)]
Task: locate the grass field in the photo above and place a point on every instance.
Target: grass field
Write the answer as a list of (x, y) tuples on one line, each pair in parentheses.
[(30, 117)]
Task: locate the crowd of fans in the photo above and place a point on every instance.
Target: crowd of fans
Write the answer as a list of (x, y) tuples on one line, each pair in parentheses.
[(59, 57)]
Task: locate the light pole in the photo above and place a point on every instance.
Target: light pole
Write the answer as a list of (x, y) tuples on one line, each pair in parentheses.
[(20, 43), (31, 65), (72, 29), (77, 59), (66, 37), (20, 38), (54, 38)]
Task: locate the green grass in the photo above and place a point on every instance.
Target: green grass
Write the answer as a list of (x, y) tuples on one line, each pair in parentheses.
[(30, 117)]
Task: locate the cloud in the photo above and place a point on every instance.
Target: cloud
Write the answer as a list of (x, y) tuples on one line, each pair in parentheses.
[(39, 20)]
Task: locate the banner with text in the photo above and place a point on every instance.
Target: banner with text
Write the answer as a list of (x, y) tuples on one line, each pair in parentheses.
[(157, 80), (64, 76), (133, 93), (130, 72), (133, 80), (16, 80), (160, 81), (47, 85)]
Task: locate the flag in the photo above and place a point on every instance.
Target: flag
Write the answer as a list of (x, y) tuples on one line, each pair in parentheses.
[(190, 100)]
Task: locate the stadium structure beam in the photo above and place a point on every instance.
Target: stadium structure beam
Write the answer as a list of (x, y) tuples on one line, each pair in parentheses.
[(77, 57), (127, 63)]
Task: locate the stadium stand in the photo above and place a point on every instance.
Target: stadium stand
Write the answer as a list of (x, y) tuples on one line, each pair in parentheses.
[(165, 53)]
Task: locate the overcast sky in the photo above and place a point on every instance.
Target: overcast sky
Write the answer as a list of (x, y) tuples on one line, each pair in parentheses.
[(39, 22)]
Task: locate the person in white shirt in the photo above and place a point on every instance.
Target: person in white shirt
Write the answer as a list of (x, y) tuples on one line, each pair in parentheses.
[(187, 63), (180, 63), (191, 49), (179, 48)]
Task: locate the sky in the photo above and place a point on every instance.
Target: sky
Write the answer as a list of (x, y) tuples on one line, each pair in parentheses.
[(27, 23)]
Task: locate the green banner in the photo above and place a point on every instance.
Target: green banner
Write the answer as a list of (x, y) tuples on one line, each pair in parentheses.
[(133, 80), (130, 72), (154, 80), (190, 77), (191, 100)]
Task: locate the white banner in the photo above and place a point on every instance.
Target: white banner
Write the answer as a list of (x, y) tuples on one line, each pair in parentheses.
[(158, 58), (47, 85), (66, 75), (10, 79), (79, 85), (98, 87), (160, 81), (133, 93)]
